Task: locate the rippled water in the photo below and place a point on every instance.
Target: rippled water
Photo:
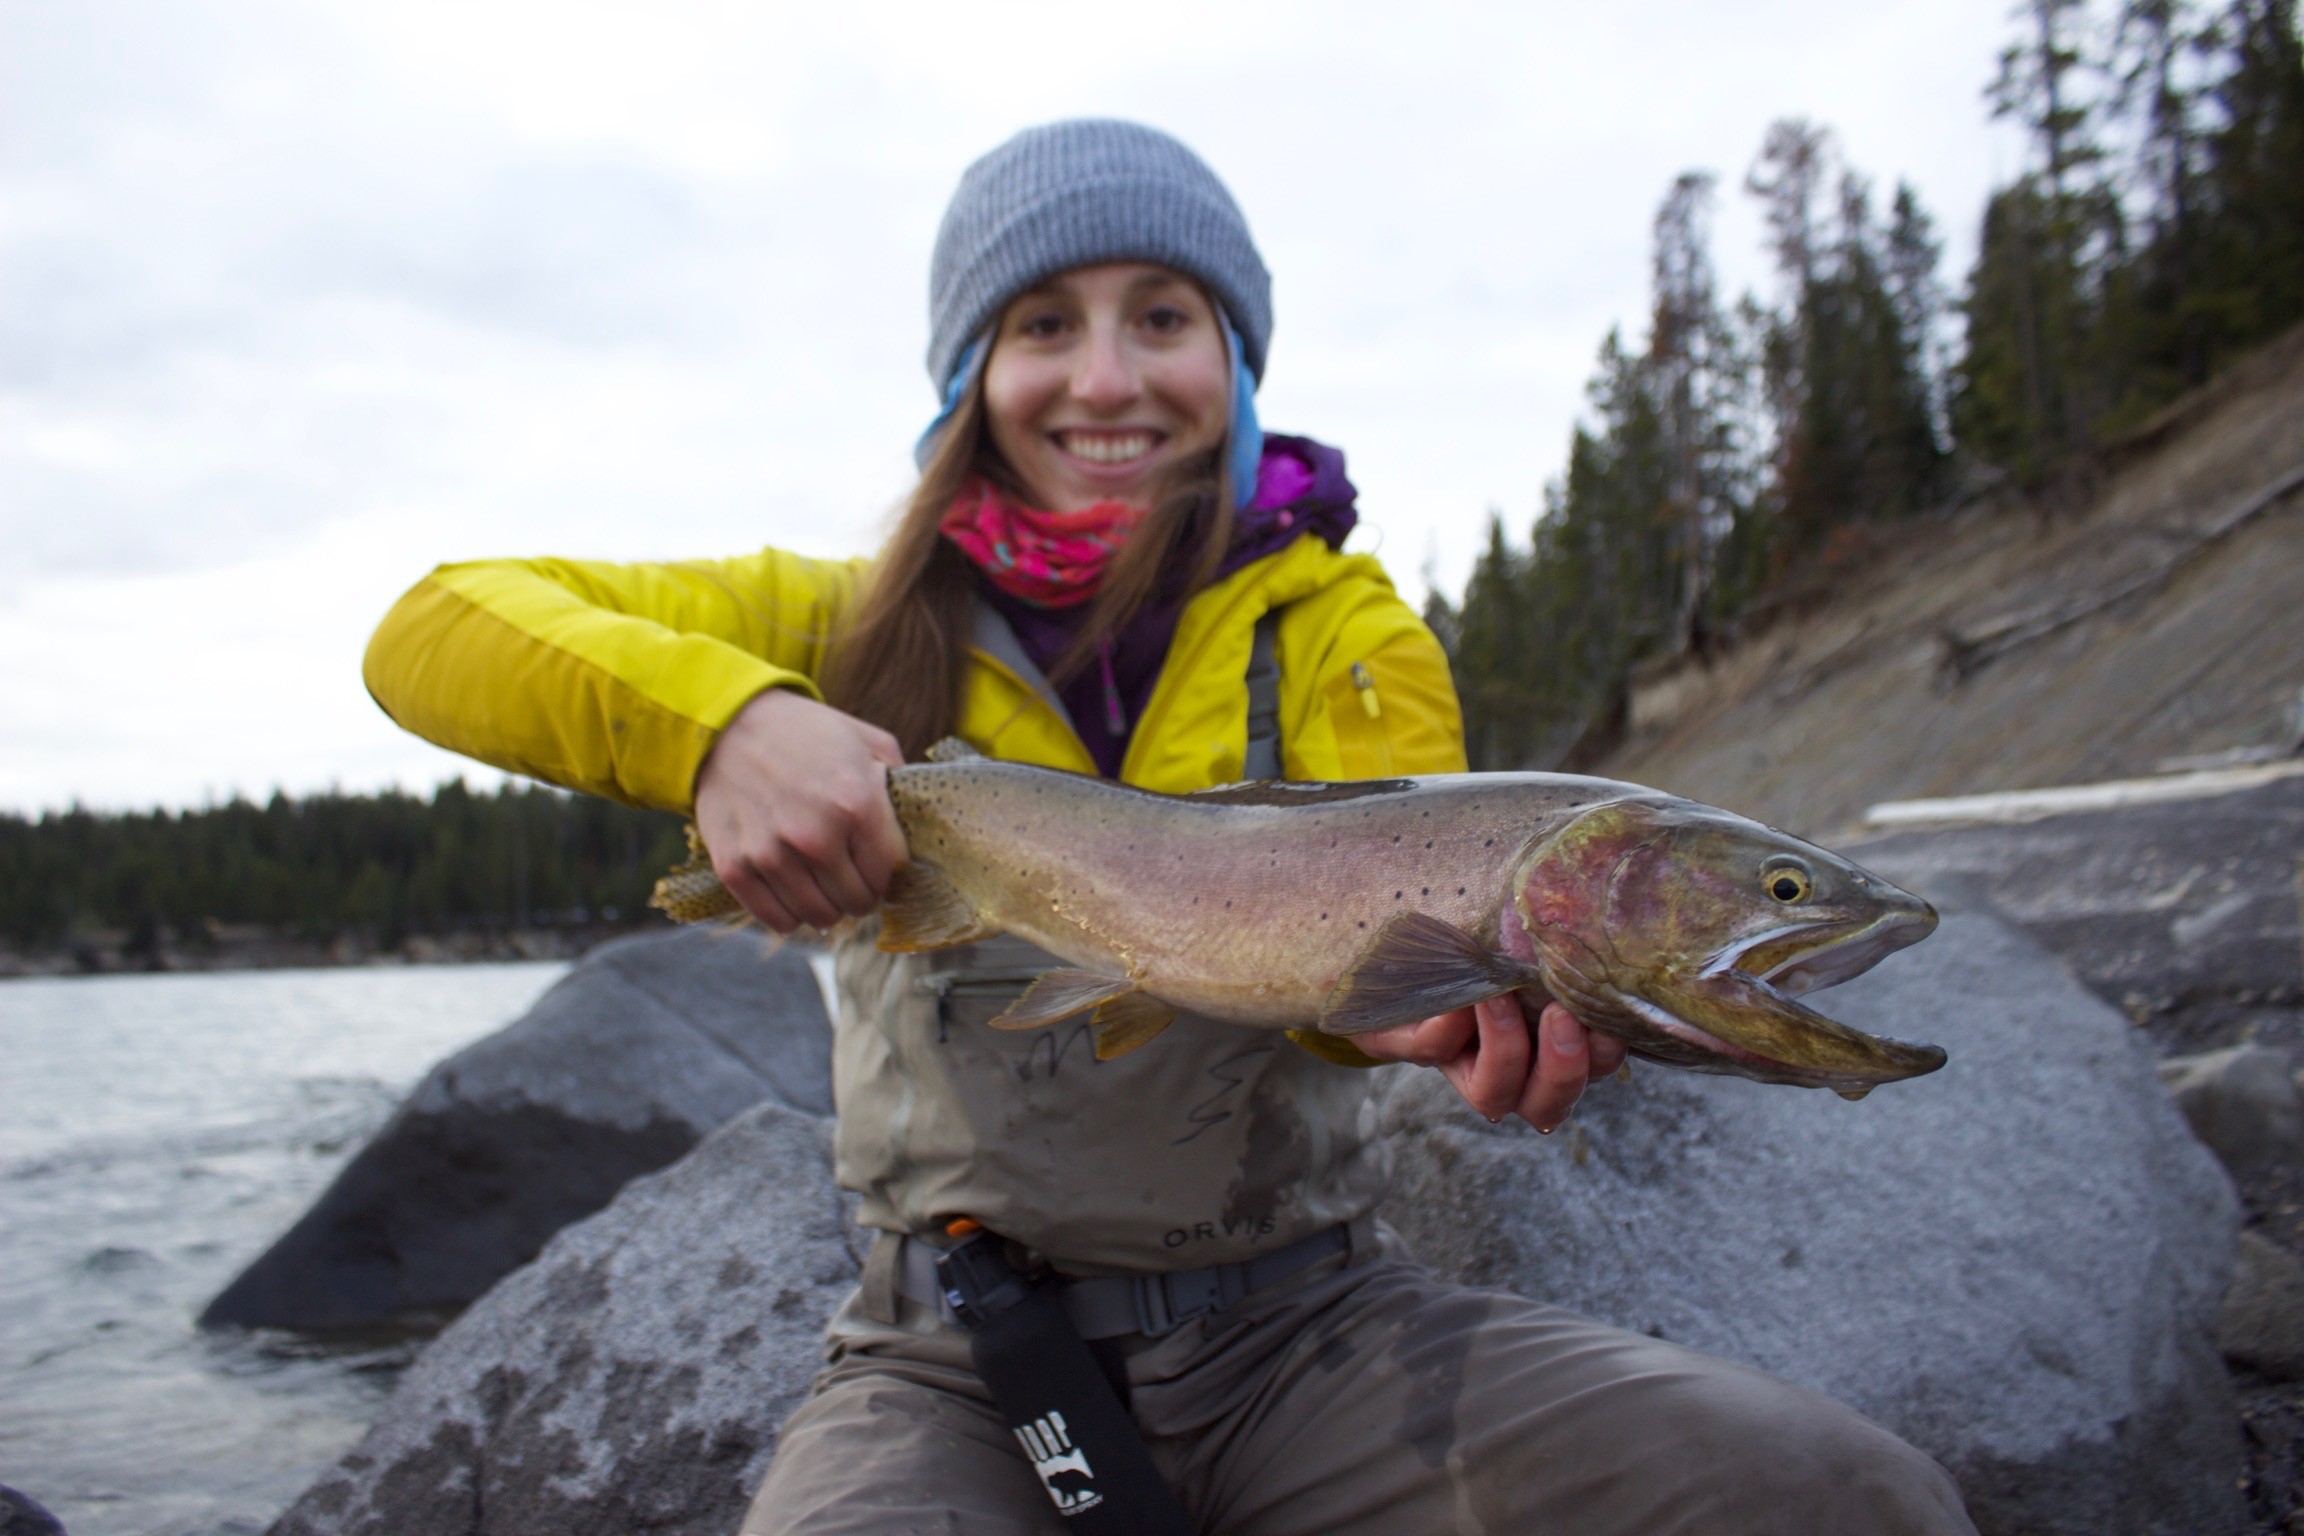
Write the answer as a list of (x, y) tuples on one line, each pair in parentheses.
[(156, 1132)]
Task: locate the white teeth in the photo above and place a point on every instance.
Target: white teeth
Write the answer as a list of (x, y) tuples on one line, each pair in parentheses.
[(1107, 450)]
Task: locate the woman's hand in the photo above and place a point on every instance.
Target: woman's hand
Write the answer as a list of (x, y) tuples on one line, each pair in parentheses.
[(1499, 1063), (793, 803)]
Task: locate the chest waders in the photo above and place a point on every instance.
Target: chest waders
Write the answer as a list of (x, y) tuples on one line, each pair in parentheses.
[(1028, 1331)]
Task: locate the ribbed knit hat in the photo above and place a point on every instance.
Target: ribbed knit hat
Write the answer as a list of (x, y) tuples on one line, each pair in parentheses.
[(1076, 193)]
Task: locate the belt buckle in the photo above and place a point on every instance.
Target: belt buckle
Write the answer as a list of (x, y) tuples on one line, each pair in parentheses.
[(1166, 1302)]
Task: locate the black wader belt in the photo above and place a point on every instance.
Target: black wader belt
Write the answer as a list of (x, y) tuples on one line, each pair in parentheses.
[(1112, 1306)]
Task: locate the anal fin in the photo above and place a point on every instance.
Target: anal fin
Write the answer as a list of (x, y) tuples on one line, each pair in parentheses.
[(923, 910), (1058, 995), (1127, 1021), (1415, 967)]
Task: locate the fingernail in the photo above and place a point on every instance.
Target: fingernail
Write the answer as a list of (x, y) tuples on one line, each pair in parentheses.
[(1495, 1119), (1543, 1130)]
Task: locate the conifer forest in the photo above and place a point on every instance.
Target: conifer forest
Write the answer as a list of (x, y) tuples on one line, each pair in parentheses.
[(1739, 447)]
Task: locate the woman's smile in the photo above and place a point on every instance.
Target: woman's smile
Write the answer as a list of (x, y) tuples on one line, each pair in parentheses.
[(1107, 446)]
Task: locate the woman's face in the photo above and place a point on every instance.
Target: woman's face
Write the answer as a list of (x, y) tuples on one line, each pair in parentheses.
[(1103, 379)]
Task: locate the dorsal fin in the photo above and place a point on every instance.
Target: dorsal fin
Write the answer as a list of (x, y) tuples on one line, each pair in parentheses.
[(951, 750), (1285, 792)]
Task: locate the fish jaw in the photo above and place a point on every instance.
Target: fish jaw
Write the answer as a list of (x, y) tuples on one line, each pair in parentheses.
[(1736, 1022), (1726, 1018)]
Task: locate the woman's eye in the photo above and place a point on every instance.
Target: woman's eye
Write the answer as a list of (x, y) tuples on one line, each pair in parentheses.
[(1166, 319), (1041, 327)]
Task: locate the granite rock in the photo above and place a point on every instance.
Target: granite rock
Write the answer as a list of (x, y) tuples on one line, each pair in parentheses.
[(2015, 1263), (2261, 1328), (640, 1051), (633, 1377), (2241, 1101), (23, 1515)]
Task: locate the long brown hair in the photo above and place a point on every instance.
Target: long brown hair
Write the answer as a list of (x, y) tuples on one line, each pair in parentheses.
[(900, 658)]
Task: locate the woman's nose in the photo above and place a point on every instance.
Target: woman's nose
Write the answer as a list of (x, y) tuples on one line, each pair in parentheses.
[(1105, 378)]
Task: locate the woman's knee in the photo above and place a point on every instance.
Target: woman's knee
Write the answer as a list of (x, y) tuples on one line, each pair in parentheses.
[(1777, 1448)]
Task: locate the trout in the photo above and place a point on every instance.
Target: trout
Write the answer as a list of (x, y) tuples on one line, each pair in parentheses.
[(1687, 932)]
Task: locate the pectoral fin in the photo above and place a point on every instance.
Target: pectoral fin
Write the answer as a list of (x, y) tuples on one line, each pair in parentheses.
[(1415, 967), (1059, 995), (923, 910), (1127, 1021)]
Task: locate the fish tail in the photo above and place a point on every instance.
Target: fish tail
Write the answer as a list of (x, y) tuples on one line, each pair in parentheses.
[(691, 893)]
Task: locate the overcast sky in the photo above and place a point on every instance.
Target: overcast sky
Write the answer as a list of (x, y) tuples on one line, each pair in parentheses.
[(301, 299)]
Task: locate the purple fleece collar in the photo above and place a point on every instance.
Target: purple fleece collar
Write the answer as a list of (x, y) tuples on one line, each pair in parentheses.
[(1300, 488)]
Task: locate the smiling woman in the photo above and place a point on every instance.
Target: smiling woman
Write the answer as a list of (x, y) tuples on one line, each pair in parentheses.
[(1107, 567)]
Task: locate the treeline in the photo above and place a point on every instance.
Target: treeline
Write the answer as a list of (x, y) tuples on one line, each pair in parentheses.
[(2158, 233), (385, 866)]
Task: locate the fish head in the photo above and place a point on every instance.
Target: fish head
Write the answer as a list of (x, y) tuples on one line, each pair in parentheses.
[(1693, 934)]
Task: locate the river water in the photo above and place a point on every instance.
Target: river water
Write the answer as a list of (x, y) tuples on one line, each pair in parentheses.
[(156, 1133)]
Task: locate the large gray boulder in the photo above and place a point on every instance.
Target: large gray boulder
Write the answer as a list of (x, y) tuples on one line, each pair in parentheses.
[(2016, 1263), (644, 1048), (633, 1377)]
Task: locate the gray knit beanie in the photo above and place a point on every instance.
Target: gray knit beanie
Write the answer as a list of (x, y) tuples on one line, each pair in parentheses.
[(1075, 193)]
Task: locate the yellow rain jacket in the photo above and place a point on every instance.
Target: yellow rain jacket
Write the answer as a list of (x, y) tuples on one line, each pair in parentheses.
[(617, 679)]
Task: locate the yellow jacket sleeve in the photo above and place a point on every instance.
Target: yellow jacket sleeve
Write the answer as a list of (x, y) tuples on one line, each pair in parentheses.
[(615, 679)]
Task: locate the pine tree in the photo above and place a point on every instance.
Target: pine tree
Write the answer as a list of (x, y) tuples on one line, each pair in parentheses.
[(1848, 357), (2251, 276)]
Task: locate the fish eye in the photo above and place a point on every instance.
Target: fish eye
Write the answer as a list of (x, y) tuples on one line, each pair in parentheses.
[(1789, 884)]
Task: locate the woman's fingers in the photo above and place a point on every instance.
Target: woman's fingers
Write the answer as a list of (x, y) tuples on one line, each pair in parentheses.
[(1563, 1067), (754, 896), (793, 802), (1492, 1074), (876, 842), (1435, 1042), (1607, 1053)]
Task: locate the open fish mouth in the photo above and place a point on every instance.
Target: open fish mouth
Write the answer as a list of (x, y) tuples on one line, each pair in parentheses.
[(1812, 956), (1743, 1013)]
